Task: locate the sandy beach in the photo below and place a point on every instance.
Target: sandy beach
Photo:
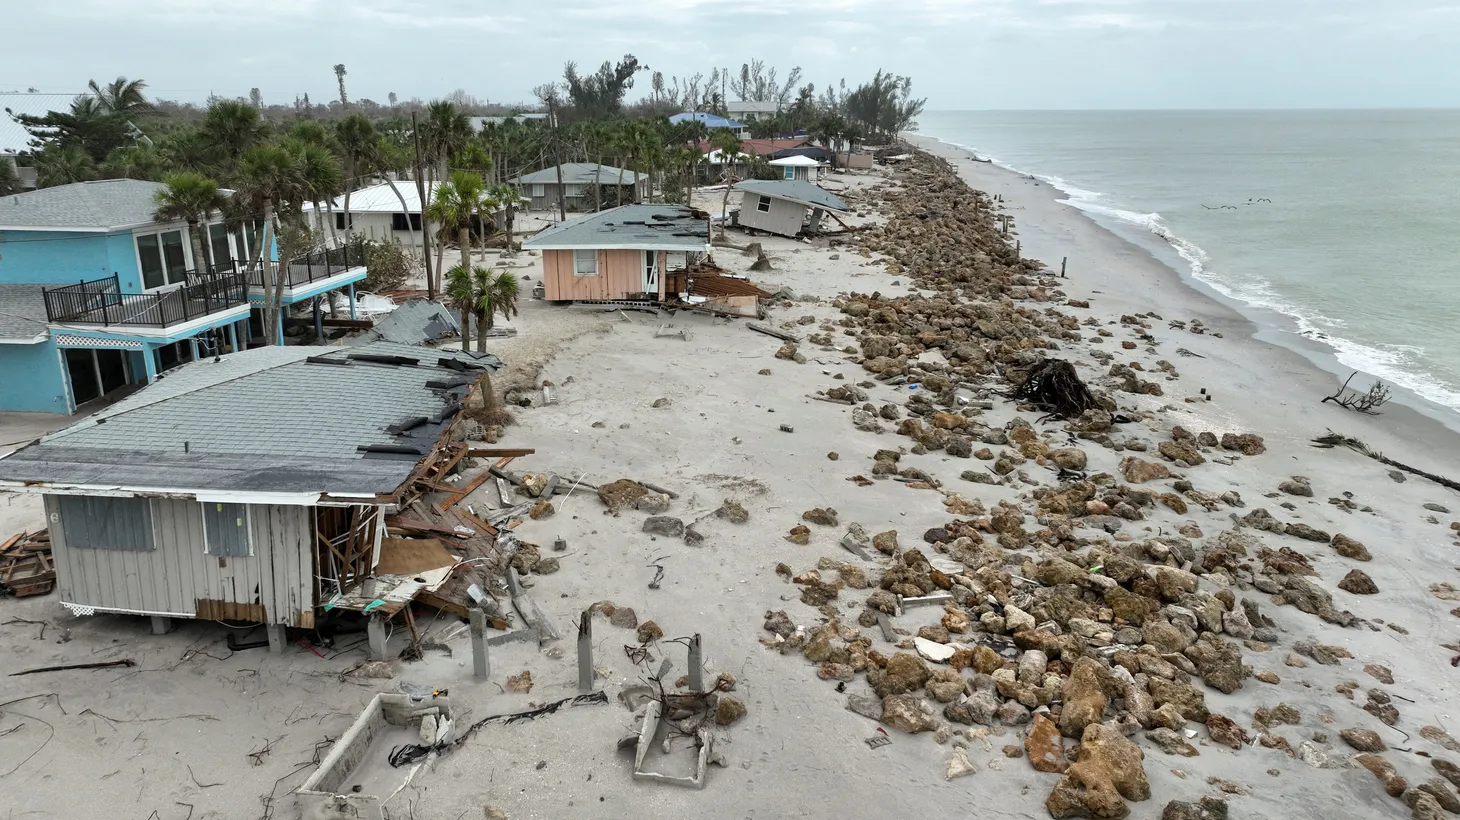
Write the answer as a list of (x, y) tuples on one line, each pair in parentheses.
[(716, 415)]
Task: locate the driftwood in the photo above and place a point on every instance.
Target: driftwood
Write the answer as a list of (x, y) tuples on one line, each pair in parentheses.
[(1054, 386), (770, 331), (1365, 402), (63, 667), (1333, 439)]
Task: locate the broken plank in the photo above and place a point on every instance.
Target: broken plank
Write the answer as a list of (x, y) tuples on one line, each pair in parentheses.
[(464, 491), (499, 452), (396, 522), (476, 522), (770, 331), (435, 601)]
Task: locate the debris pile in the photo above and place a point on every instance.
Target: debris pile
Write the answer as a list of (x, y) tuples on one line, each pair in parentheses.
[(26, 567)]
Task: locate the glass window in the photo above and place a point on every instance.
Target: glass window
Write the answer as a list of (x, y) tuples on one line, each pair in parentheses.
[(398, 222), (150, 254), (788, 173), (101, 523), (174, 257), (585, 263), (226, 528), (240, 243), (218, 244), (764, 205)]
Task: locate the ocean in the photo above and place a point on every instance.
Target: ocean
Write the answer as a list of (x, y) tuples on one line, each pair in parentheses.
[(1342, 227)]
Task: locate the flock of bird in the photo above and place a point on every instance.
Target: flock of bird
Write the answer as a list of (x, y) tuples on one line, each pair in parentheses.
[(1234, 207)]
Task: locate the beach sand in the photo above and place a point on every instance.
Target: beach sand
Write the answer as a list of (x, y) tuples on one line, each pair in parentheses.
[(799, 752)]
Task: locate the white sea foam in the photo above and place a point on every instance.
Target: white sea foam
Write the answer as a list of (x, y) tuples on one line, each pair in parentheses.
[(1402, 365)]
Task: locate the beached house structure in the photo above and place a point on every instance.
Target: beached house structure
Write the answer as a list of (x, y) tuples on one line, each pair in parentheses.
[(252, 488), (785, 207), (797, 166), (621, 253), (98, 296), (578, 183)]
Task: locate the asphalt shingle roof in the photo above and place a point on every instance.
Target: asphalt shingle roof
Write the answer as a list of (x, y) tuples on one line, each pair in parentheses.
[(578, 173), (710, 120), (651, 227), (83, 206), (22, 311), (264, 420), (413, 322), (805, 193)]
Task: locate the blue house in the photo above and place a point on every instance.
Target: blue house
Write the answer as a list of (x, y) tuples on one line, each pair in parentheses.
[(97, 297), (712, 121)]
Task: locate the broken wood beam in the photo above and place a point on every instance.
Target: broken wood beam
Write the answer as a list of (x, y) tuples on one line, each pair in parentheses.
[(499, 452), (770, 331), (464, 491)]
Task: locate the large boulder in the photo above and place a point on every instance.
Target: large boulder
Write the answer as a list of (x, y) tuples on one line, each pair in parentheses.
[(1043, 745), (622, 493), (1218, 661), (1109, 770), (906, 712), (1084, 697)]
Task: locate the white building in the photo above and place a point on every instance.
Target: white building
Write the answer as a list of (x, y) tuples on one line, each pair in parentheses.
[(378, 212)]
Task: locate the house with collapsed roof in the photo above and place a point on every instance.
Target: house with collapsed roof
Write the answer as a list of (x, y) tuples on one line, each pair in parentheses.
[(626, 252), (581, 186), (97, 296), (253, 487), (784, 207)]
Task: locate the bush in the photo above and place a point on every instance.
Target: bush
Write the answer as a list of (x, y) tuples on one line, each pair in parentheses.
[(387, 264)]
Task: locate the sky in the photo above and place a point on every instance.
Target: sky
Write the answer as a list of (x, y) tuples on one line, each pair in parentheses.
[(961, 54)]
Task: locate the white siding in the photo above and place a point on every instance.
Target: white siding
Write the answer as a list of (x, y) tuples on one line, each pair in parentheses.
[(174, 577), (784, 218)]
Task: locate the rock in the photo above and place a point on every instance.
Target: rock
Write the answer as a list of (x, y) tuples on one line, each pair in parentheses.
[(904, 672), (1109, 767), (1188, 700), (692, 536), (1426, 807), (1307, 533), (1210, 808), (866, 706), (1181, 451), (826, 517), (959, 765), (787, 351), (624, 617), (653, 503), (660, 402), (1358, 582), (1247, 444), (666, 525), (1365, 740), (1083, 696), (1317, 756), (833, 455), (1012, 713), (933, 651), (905, 712), (1349, 548), (1139, 471), (649, 631), (1222, 729), (1380, 673), (885, 542), (799, 534), (1449, 770), (1218, 662), (521, 682), (1436, 789), (1069, 458), (986, 660), (733, 512), (380, 670), (1439, 508), (1130, 607), (728, 710), (1171, 742), (1394, 785), (1044, 746), (619, 494), (1297, 486), (882, 601), (547, 566), (1017, 620)]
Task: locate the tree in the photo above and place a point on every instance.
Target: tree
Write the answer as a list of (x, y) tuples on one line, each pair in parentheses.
[(122, 97), (757, 83), (255, 98), (504, 196), (461, 293), (500, 292), (457, 202), (135, 162), (9, 179), (600, 94), (192, 198), (725, 141), (392, 99), (269, 177), (885, 106), (63, 165), (360, 149), (233, 126), (340, 78)]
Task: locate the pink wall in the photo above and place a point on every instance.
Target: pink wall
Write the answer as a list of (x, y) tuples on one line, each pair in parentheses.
[(620, 273)]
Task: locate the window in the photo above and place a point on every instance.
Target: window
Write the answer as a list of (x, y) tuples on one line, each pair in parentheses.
[(163, 259), (98, 523), (585, 263), (764, 205), (226, 529), (218, 241), (539, 190), (341, 224), (398, 222), (788, 173)]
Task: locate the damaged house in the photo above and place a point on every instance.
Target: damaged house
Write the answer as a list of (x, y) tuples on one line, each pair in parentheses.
[(621, 253), (253, 487), (785, 207)]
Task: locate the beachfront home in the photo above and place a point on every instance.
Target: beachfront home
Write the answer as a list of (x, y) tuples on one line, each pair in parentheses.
[(803, 168), (377, 212), (585, 186), (749, 111), (621, 253), (14, 139), (785, 207), (99, 297), (741, 130), (253, 488)]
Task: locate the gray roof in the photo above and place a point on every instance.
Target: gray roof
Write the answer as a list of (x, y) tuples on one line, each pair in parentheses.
[(102, 205), (14, 139), (413, 322), (805, 193), (578, 173), (22, 311), (263, 421), (646, 227)]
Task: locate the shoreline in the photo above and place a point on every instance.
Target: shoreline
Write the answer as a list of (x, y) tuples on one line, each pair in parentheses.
[(1272, 325), (1399, 427)]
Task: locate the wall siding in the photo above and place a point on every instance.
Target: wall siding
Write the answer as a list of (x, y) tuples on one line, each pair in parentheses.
[(173, 578), (33, 378), (620, 273), (784, 218)]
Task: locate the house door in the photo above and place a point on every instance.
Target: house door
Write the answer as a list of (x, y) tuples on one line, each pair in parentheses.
[(651, 272)]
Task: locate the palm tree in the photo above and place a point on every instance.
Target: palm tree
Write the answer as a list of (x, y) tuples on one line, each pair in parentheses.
[(505, 197), (269, 176), (233, 126), (725, 141), (63, 165), (461, 293), (456, 202), (191, 197), (135, 162), (340, 76), (121, 97), (498, 294), (359, 147), (445, 131), (320, 178)]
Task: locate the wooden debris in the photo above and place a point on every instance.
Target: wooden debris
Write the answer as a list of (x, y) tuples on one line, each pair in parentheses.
[(26, 566), (770, 331)]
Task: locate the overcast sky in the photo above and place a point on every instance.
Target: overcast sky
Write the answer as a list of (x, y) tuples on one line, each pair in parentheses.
[(961, 54)]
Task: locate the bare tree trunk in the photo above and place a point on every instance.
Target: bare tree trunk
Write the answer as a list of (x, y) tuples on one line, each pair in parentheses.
[(201, 262), (405, 209), (267, 276), (463, 236)]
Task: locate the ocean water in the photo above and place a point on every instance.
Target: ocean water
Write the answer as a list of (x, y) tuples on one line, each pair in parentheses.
[(1340, 226)]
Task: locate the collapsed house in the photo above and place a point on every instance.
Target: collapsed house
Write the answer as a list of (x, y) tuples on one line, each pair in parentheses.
[(785, 207), (254, 487)]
